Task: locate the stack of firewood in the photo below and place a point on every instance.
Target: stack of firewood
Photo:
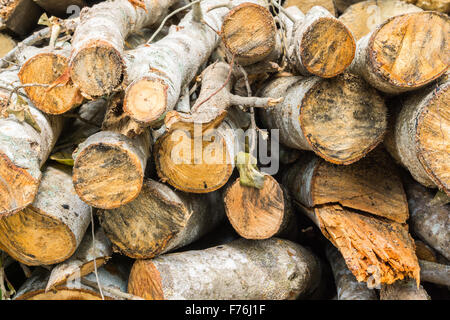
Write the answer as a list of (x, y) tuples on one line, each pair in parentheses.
[(132, 162)]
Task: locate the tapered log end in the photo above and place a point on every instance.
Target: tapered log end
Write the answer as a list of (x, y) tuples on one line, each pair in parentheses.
[(46, 68), (343, 118), (145, 281), (17, 187), (395, 56), (107, 176), (97, 69), (249, 33), (255, 213), (327, 48), (35, 238), (197, 165), (146, 100)]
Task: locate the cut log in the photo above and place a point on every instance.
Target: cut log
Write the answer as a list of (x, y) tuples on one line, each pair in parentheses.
[(434, 273), (109, 168), (23, 150), (390, 59), (429, 222), (51, 228), (81, 263), (365, 16), (60, 8), (49, 66), (160, 220), (306, 5), (256, 270), (424, 251), (436, 5), (342, 5), (20, 16), (158, 72), (317, 43), (6, 44), (260, 213), (347, 286), (340, 119), (97, 64), (403, 290), (109, 276), (419, 136), (370, 185)]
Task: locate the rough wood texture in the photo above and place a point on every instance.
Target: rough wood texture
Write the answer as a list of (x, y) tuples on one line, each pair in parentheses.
[(160, 220), (260, 213), (403, 290), (6, 44), (429, 222), (437, 5), (46, 66), (81, 263), (51, 228), (159, 71), (371, 185), (109, 276), (59, 7), (97, 62), (109, 168), (23, 150), (20, 16), (347, 286), (390, 59), (364, 16), (340, 119), (306, 5), (317, 43), (266, 269), (419, 136)]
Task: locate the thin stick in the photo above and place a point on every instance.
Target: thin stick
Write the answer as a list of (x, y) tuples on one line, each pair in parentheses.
[(279, 7), (95, 256)]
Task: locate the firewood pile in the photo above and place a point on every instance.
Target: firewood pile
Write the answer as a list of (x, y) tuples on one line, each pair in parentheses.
[(224, 149)]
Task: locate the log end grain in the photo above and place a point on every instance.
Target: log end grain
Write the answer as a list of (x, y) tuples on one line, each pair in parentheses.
[(249, 33), (145, 281), (46, 68)]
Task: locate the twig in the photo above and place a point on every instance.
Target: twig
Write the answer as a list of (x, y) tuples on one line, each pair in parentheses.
[(197, 14), (168, 17), (286, 13), (112, 291), (95, 256)]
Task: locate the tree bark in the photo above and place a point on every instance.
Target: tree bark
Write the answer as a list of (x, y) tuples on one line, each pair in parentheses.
[(109, 168), (306, 5), (20, 16), (97, 63), (266, 269), (436, 5), (419, 135), (340, 119), (51, 228), (434, 273), (160, 220), (23, 150), (403, 290), (389, 59)]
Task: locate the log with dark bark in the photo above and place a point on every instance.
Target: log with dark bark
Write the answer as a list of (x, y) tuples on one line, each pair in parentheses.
[(266, 269), (160, 220), (340, 119), (52, 227), (403, 290), (389, 59), (19, 16), (434, 273)]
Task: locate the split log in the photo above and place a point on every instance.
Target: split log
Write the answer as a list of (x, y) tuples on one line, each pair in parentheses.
[(97, 64), (429, 222), (265, 269), (160, 220), (60, 8), (370, 185), (365, 16), (317, 43), (20, 16), (390, 59), (109, 168), (109, 276), (52, 227), (82, 262), (6, 44), (403, 290), (419, 137), (436, 5), (340, 119), (347, 286), (48, 66), (434, 273), (159, 71), (260, 213), (23, 150), (306, 5)]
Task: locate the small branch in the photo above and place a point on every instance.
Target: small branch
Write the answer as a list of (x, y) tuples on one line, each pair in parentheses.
[(279, 7), (197, 12), (110, 290), (254, 102)]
